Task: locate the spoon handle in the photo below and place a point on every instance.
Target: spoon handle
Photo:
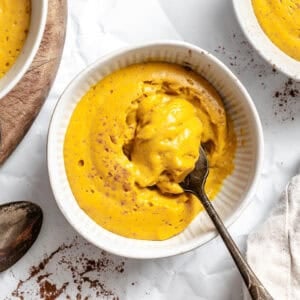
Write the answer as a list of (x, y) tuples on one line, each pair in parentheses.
[(255, 287)]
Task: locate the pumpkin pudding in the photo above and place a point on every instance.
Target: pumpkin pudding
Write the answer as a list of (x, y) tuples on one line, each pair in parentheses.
[(134, 136), (280, 20), (14, 26)]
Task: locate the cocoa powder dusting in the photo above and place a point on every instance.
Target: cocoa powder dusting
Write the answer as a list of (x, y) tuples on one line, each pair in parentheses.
[(244, 59), (49, 291), (286, 100), (71, 272)]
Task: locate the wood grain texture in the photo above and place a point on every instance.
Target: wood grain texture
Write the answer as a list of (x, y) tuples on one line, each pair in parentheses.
[(20, 107)]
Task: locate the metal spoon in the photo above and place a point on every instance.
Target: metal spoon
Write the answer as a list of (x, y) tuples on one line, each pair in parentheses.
[(194, 183), (20, 224)]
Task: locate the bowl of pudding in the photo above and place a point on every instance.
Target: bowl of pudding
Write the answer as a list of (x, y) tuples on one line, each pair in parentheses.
[(128, 129), (272, 27), (22, 23)]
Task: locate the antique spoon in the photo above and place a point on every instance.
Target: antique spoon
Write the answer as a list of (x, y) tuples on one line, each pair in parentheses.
[(20, 224), (194, 183)]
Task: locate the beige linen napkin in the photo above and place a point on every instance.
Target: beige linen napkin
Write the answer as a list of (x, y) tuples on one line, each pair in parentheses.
[(274, 249)]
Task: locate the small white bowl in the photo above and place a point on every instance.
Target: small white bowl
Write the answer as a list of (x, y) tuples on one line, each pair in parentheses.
[(39, 9), (260, 41), (238, 187)]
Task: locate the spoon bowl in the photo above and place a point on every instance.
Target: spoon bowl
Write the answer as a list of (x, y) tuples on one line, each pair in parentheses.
[(194, 183), (20, 224)]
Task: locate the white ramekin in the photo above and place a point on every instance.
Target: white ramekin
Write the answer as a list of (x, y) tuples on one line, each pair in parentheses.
[(270, 52), (39, 9), (238, 187)]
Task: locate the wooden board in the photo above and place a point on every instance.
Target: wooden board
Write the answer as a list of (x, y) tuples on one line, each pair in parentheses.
[(20, 107)]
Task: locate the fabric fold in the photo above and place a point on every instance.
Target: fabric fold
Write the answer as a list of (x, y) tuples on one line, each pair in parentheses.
[(273, 251)]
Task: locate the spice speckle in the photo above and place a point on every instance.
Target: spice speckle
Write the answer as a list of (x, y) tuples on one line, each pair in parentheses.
[(286, 100), (73, 271), (244, 59)]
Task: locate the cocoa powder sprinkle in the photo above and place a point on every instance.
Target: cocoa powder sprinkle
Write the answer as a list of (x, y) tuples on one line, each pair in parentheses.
[(286, 98), (70, 273)]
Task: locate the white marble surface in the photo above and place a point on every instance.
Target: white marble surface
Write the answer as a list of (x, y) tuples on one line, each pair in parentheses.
[(96, 27)]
